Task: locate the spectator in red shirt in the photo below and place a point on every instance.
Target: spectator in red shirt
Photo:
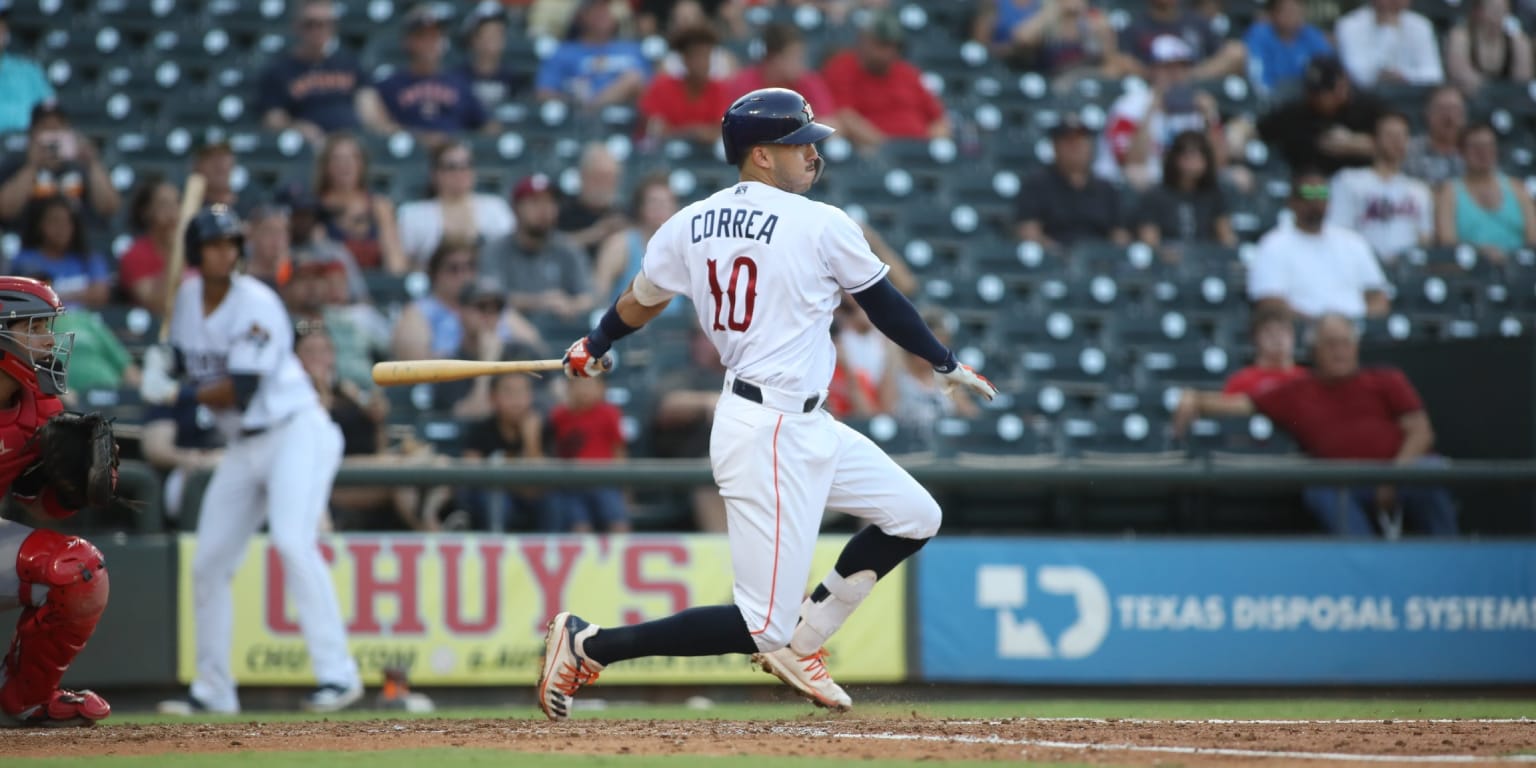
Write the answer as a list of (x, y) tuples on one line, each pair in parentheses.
[(152, 219), (586, 427), (1345, 412), (783, 66), (1274, 360), (881, 96), (687, 107)]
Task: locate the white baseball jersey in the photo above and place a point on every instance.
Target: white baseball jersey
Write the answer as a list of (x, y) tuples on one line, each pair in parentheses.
[(764, 268), (1392, 214), (248, 333)]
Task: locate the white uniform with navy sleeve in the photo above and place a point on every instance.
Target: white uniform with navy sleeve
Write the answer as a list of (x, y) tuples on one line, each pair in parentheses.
[(765, 269), (281, 460)]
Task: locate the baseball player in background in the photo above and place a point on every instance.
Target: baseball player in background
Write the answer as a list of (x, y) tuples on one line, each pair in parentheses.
[(765, 267), (232, 341), (59, 582)]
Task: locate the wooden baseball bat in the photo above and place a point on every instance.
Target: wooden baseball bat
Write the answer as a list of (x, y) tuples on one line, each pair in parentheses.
[(397, 372), (191, 203)]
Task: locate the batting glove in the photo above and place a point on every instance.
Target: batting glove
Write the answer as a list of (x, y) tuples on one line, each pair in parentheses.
[(580, 364), (156, 386), (965, 376)]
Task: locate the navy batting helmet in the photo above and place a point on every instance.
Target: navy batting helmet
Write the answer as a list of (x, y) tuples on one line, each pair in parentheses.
[(216, 222), (769, 116)]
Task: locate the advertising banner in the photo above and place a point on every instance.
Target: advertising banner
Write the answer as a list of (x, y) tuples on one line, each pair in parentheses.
[(471, 609), (1304, 612)]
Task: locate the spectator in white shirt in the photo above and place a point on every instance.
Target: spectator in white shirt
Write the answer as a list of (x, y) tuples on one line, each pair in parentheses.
[(1314, 268), (453, 211), (1386, 43), (1391, 210)]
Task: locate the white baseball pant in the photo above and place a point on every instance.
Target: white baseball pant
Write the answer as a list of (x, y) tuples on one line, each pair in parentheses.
[(779, 469), (284, 476)]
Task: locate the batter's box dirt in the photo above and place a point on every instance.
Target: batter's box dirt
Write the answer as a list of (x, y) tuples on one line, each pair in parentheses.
[(1127, 742)]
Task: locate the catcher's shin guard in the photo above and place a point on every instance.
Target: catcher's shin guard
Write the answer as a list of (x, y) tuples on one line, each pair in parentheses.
[(64, 590)]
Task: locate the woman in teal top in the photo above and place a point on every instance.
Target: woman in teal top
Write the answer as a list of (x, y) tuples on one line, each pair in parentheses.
[(1484, 208), (619, 257)]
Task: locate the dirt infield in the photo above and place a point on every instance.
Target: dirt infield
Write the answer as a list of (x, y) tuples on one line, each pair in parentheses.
[(1114, 742)]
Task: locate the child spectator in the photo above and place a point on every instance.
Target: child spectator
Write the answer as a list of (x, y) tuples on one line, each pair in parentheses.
[(586, 427), (152, 213), (688, 105), (53, 244), (514, 431)]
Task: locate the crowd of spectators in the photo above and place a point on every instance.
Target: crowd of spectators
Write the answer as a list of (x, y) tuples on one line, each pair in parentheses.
[(1160, 168)]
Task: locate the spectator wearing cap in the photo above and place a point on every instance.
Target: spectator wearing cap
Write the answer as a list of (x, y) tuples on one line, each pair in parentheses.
[(317, 87), (545, 274), (880, 95), (1435, 155), (783, 66), (434, 104), (1342, 411), (53, 244), (1393, 211), (317, 293), (1142, 123), (1314, 267), (1485, 208), (1212, 56), (594, 213), (594, 68), (492, 79), (57, 161), (22, 84), (1064, 202), (1188, 206), (689, 105), (152, 212), (453, 211), (1384, 42), (269, 245), (1329, 127), (360, 220), (1281, 44)]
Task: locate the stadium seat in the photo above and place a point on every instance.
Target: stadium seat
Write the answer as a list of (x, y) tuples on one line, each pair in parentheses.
[(1187, 363)]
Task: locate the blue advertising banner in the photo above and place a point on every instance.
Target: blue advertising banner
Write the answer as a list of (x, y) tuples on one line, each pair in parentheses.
[(1072, 611)]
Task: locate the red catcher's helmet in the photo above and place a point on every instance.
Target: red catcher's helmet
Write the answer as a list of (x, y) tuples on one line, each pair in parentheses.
[(38, 358)]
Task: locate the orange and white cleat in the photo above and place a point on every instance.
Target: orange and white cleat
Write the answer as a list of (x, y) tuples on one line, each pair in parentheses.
[(565, 670), (808, 675)]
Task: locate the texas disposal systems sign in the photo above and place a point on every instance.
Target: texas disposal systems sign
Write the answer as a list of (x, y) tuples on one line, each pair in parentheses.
[(1304, 612), (471, 610)]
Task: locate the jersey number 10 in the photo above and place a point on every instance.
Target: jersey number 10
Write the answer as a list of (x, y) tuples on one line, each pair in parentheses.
[(725, 301)]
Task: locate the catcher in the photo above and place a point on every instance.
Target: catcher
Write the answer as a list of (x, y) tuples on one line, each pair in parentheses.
[(53, 462)]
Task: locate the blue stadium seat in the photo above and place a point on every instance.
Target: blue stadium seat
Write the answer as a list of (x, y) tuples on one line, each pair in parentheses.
[(1187, 363)]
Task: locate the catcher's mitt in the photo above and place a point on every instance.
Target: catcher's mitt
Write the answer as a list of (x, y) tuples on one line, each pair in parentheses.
[(77, 458)]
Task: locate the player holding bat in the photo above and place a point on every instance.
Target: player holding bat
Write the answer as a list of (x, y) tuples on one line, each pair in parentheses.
[(765, 267), (232, 344)]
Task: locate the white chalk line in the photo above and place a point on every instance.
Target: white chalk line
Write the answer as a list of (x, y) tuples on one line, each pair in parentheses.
[(1169, 750), (1223, 721)]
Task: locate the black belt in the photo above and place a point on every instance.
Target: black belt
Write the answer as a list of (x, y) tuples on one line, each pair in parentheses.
[(754, 393)]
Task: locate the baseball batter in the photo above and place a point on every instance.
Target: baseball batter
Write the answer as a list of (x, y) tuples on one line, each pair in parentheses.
[(59, 582), (233, 343), (765, 267)]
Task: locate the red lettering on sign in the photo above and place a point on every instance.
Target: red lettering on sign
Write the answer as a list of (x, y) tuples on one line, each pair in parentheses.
[(453, 616), (369, 588), (551, 582), (278, 622), (676, 554)]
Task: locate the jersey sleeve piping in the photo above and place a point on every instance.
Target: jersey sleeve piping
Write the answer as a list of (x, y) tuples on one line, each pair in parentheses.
[(875, 278)]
